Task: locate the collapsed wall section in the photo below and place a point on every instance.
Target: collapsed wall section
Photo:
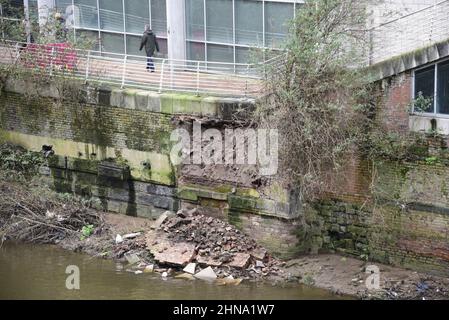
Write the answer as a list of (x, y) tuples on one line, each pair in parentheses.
[(114, 145)]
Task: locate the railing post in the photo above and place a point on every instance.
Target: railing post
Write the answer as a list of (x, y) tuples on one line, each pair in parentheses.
[(87, 66), (246, 81), (17, 52), (161, 80), (124, 71), (198, 78), (2, 21), (172, 70), (51, 60)]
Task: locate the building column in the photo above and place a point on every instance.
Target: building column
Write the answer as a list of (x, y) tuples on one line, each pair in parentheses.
[(26, 8), (176, 29), (44, 9)]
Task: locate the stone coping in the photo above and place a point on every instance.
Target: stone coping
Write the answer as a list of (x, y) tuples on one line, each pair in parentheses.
[(410, 60), (145, 100)]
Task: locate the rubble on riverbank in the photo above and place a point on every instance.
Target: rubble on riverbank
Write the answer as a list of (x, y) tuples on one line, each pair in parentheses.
[(169, 244), (209, 242), (191, 247)]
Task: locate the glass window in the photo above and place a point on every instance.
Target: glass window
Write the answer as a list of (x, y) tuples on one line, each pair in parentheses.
[(277, 17), (112, 42), (195, 51), (133, 44), (443, 88), (425, 84), (33, 10), (89, 39), (195, 19), (137, 15), (249, 22), (12, 9), (162, 47), (111, 15), (219, 21), (87, 14), (219, 53), (159, 17), (242, 55), (61, 5)]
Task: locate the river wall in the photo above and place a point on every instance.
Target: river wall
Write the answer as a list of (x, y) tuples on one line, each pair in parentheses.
[(114, 146)]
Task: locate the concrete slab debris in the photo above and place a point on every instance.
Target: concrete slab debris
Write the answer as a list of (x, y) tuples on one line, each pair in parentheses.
[(207, 274)]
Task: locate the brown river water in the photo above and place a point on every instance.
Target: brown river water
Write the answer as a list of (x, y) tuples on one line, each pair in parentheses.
[(38, 272)]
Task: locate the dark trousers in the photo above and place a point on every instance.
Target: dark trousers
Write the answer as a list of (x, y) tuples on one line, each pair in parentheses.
[(150, 64)]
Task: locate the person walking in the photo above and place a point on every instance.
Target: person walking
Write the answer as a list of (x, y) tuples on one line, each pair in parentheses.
[(149, 41)]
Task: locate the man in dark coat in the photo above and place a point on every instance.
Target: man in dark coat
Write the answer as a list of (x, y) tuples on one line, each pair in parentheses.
[(149, 41)]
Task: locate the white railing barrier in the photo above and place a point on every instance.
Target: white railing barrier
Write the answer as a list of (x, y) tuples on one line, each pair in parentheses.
[(87, 66), (199, 77), (124, 71), (162, 76), (52, 57)]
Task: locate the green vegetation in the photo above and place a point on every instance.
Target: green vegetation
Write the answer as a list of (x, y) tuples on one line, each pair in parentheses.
[(324, 104), (16, 162), (431, 160), (87, 231), (316, 102), (421, 103)]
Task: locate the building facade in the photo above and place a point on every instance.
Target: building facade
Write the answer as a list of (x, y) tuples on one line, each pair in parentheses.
[(200, 30)]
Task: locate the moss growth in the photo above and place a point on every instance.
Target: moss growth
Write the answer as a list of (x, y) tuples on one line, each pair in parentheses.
[(235, 219), (223, 189), (247, 192), (187, 194), (242, 203)]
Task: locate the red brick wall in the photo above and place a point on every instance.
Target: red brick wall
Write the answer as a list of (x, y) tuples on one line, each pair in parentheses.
[(352, 183), (393, 107)]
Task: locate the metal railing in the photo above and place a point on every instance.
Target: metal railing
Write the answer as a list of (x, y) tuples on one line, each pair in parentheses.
[(130, 71), (410, 32)]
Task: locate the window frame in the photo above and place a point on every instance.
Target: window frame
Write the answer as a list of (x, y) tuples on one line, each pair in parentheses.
[(125, 32), (435, 112), (296, 4)]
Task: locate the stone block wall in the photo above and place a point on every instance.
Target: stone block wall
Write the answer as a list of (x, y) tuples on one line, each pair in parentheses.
[(405, 223), (113, 146), (273, 223), (391, 212)]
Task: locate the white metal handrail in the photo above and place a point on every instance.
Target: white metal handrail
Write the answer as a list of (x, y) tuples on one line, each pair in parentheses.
[(200, 77)]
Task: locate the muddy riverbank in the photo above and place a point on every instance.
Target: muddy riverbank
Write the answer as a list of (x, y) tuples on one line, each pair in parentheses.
[(147, 246), (29, 271), (342, 276)]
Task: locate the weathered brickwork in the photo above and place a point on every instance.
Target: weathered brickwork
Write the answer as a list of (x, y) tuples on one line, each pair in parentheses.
[(386, 211), (131, 129), (276, 234), (133, 198), (405, 221), (273, 223), (120, 128), (394, 106), (396, 213)]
